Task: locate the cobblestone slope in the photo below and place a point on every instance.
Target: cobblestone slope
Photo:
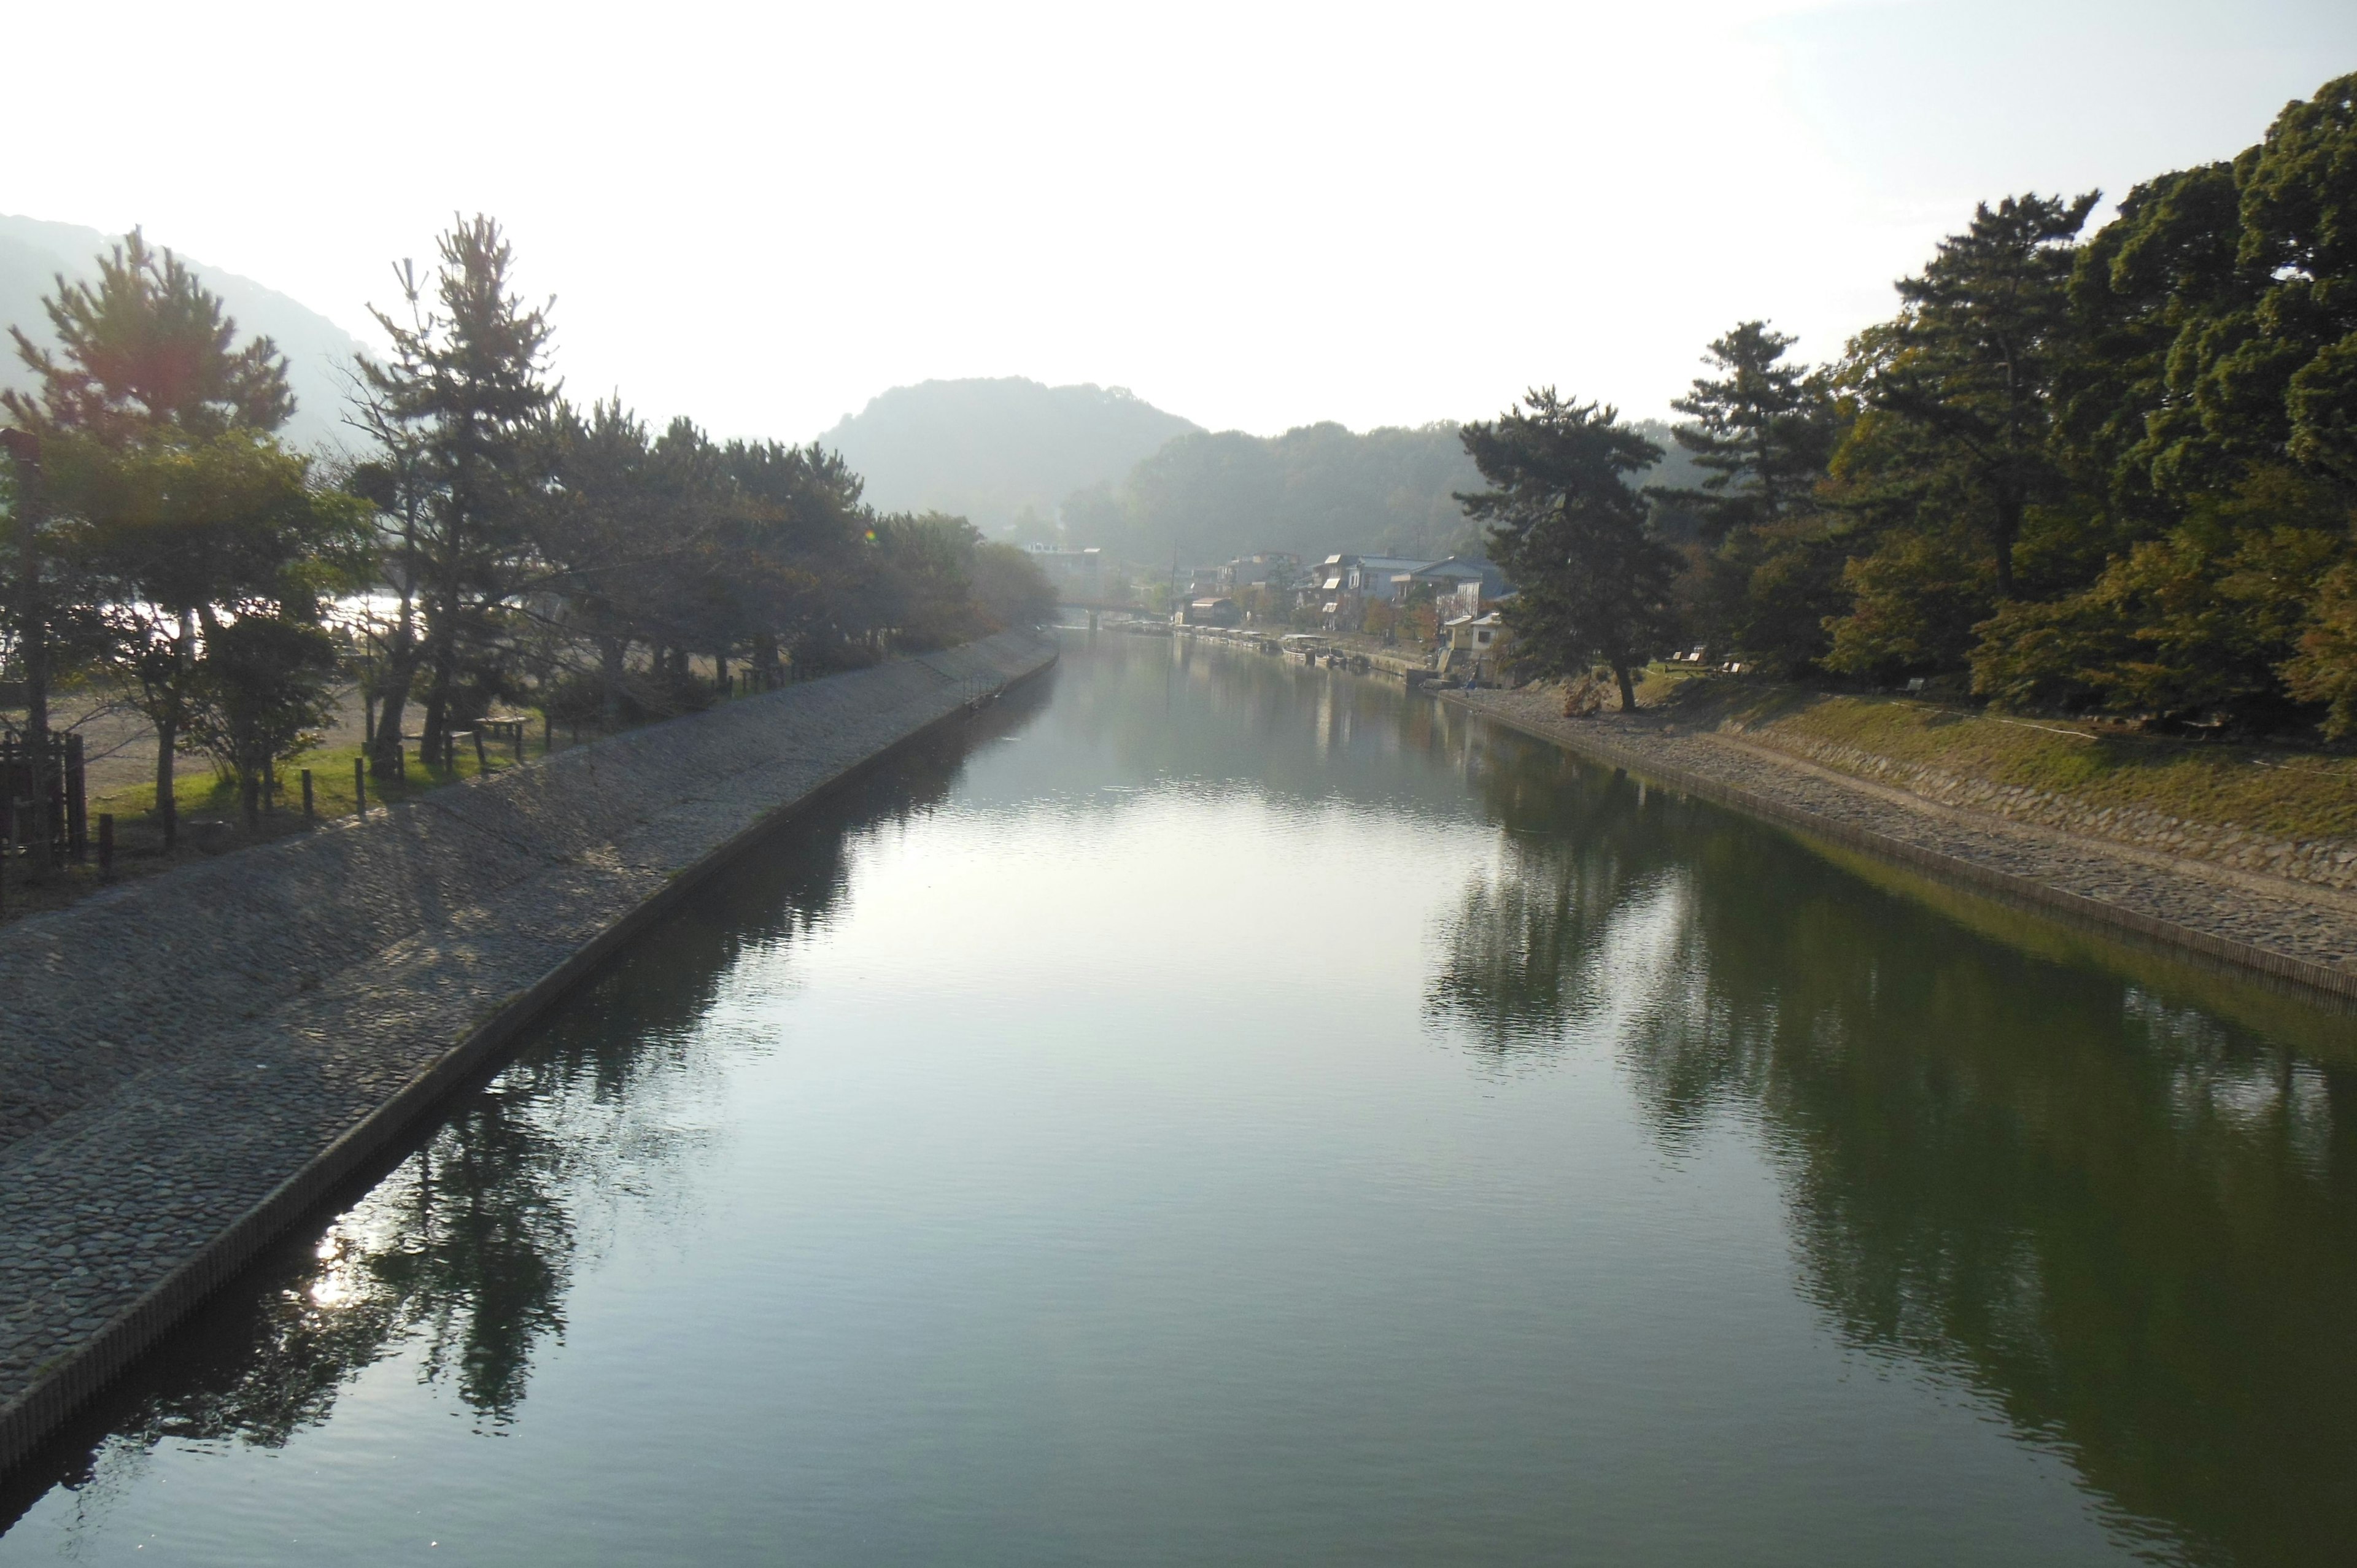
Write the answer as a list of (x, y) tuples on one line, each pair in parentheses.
[(2295, 929), (186, 1062), (2328, 863)]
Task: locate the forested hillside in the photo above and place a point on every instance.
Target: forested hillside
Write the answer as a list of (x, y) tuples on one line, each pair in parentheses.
[(1002, 453), (1212, 496), (318, 352), (1313, 490)]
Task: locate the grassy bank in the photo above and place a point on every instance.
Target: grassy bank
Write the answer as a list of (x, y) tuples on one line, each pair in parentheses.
[(205, 798), (212, 816), (2284, 793)]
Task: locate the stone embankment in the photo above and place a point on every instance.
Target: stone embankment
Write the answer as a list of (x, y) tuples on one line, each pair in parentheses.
[(187, 1063), (2326, 863), (2144, 878)]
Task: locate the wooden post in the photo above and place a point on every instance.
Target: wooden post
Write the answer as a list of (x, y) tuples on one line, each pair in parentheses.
[(77, 802), (482, 758), (360, 786), (548, 732), (307, 813), (24, 449), (106, 844)]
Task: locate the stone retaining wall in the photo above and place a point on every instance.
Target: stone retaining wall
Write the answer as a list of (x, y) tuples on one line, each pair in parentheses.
[(2326, 863), (187, 1063), (2292, 931)]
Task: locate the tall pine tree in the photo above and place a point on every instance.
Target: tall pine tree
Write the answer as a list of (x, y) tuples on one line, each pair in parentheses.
[(464, 401), (1981, 337), (1568, 527), (1761, 428)]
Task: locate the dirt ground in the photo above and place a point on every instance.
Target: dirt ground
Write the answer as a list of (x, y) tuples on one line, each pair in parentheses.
[(119, 752), (119, 744)]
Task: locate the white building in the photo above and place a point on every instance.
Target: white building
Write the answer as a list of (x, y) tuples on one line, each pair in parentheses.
[(1474, 645)]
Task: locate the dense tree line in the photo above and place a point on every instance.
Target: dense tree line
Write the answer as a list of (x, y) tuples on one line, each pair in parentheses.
[(512, 547), (2112, 472)]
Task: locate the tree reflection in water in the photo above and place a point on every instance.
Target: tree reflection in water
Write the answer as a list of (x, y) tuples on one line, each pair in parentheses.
[(2131, 1221), (2115, 1196), (461, 1256)]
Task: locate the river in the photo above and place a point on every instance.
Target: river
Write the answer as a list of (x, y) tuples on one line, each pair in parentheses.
[(1216, 1111)]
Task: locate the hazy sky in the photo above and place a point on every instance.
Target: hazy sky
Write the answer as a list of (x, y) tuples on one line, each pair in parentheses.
[(1254, 215)]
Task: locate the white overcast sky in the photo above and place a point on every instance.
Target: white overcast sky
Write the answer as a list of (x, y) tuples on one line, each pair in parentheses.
[(1254, 215)]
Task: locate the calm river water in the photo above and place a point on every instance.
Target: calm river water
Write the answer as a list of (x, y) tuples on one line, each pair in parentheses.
[(1214, 1111)]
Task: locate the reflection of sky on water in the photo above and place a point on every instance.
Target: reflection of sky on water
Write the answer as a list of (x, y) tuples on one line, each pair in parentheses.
[(1241, 1112)]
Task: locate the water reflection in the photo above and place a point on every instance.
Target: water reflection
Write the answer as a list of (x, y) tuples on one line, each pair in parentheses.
[(2111, 1196), (461, 1257), (2128, 1220)]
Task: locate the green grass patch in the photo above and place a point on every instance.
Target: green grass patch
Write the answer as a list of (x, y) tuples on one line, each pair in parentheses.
[(200, 796)]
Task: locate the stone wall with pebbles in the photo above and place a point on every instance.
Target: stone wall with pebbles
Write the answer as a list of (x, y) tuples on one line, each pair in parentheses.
[(2326, 863), (188, 1062), (2298, 931)]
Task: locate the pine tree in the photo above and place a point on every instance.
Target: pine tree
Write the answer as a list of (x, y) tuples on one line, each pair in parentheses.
[(1762, 428), (1980, 339), (186, 512), (2206, 420), (148, 348), (1568, 528), (465, 400), (1763, 431)]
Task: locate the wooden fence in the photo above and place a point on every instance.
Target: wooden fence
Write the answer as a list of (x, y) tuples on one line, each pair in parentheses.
[(69, 811)]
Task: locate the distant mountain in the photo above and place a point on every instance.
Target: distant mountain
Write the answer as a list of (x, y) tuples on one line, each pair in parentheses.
[(33, 252), (993, 450), (1313, 490)]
